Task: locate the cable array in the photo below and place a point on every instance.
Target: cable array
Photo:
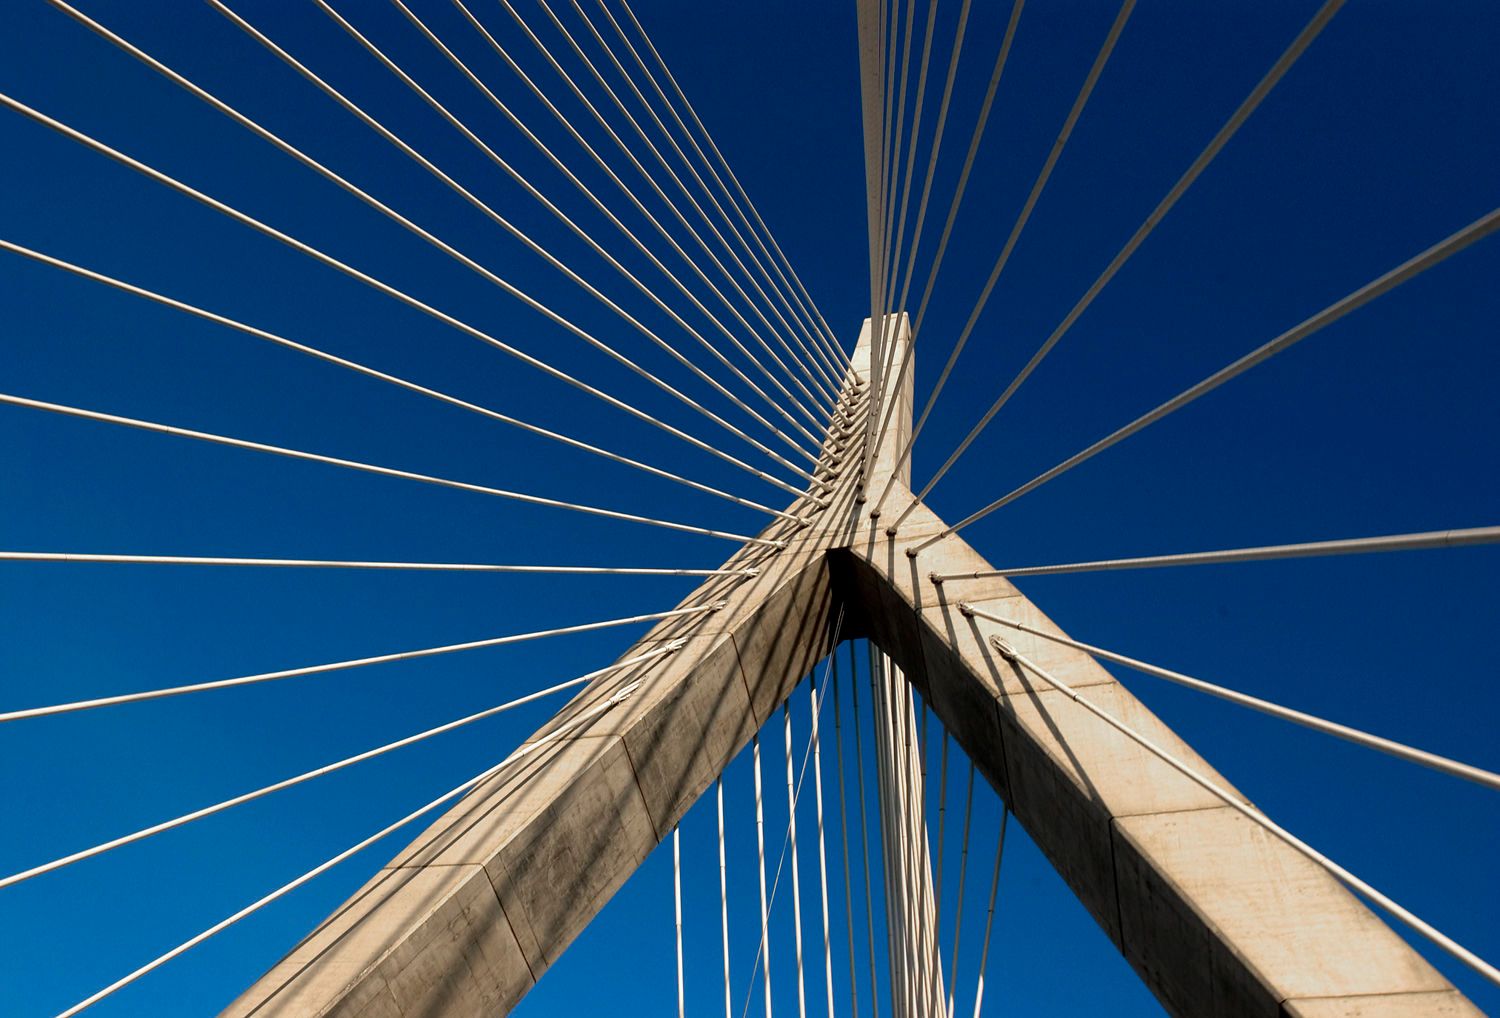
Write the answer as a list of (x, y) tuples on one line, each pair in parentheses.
[(697, 281)]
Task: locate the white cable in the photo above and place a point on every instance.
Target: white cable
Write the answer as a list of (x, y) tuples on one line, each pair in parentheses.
[(958, 194), (829, 376), (911, 151), (760, 851), (937, 908), (826, 334), (811, 348), (723, 895), (1443, 249), (809, 371), (370, 372), (677, 908), (1448, 944), (927, 990), (1445, 764), (795, 793), (989, 921), (883, 346), (321, 868), (889, 141), (893, 860), (469, 197), (937, 144), (900, 846), (582, 234), (335, 666), (615, 221), (880, 236), (1348, 546), (871, 23), (541, 47), (879, 729), (864, 829), (958, 907), (284, 146), (891, 269), (219, 807), (822, 845), (630, 194), (238, 443), (895, 112), (838, 749), (791, 833), (472, 567), (1240, 115), (382, 287), (1022, 218)]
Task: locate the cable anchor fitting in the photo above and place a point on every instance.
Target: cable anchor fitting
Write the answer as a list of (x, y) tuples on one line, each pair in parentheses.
[(624, 692), (1004, 649)]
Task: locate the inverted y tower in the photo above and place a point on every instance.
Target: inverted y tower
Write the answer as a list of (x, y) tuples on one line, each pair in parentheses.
[(1215, 915)]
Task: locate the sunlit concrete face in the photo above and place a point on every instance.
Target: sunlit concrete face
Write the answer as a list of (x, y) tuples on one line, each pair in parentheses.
[(1216, 916)]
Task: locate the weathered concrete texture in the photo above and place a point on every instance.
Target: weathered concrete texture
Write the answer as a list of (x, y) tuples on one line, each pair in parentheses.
[(452, 953), (1282, 927), (1444, 1004), (466, 919), (1217, 917)]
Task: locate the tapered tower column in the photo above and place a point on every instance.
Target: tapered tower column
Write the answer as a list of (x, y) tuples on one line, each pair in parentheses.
[(1216, 916)]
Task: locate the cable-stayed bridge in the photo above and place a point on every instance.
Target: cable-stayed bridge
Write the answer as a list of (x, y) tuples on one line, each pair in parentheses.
[(932, 688)]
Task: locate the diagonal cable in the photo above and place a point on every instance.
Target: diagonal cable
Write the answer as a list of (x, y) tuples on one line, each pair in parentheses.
[(814, 371), (614, 220), (1022, 218), (318, 772), (370, 468), (1241, 114), (376, 284), (1415, 266), (825, 332), (337, 666), (818, 400), (370, 372), (783, 289)]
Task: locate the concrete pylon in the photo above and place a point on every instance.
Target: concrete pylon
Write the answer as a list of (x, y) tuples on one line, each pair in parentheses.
[(1217, 917)]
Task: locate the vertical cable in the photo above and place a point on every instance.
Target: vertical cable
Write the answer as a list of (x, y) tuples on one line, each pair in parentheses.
[(724, 899), (864, 829), (838, 750), (896, 926), (822, 844), (882, 815), (989, 921), (791, 833), (932, 949), (937, 908), (958, 906), (677, 904), (760, 848), (872, 88)]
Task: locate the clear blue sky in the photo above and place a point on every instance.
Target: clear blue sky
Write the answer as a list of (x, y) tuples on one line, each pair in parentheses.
[(1380, 142)]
